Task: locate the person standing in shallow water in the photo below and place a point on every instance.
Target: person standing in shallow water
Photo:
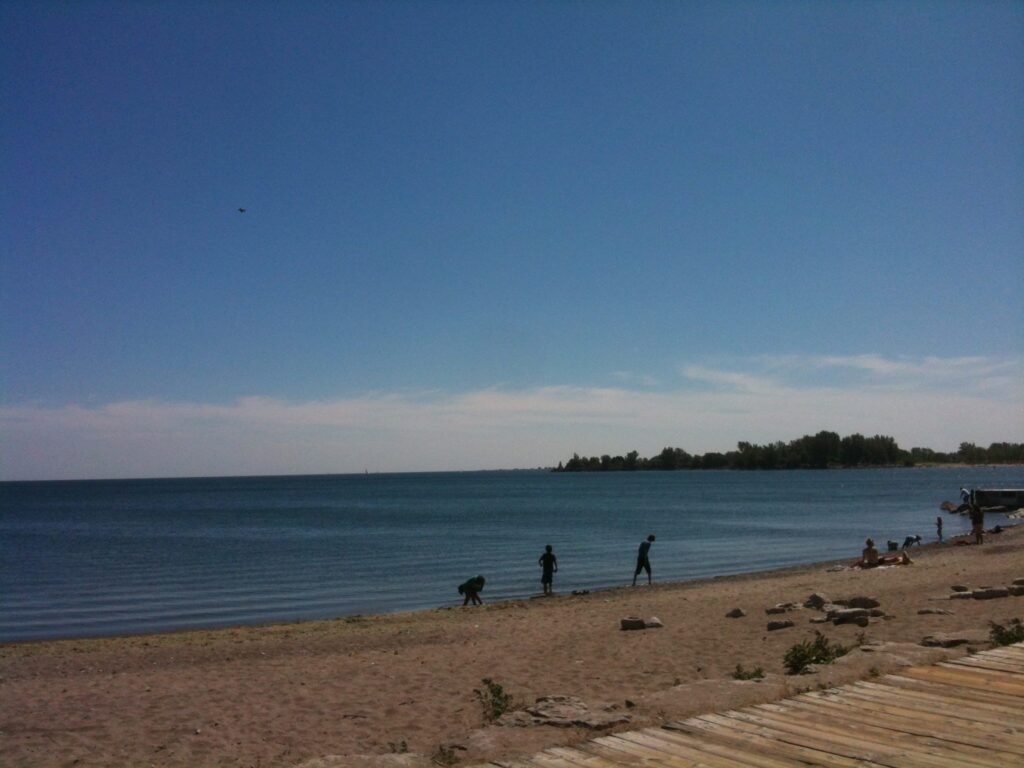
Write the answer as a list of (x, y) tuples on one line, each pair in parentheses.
[(643, 559), (549, 563), (938, 527)]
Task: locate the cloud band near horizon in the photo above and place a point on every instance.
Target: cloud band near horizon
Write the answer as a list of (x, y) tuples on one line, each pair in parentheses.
[(931, 402)]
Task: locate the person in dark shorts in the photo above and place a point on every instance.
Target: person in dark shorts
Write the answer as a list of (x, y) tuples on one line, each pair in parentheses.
[(472, 589), (978, 524), (938, 527), (643, 559), (549, 563)]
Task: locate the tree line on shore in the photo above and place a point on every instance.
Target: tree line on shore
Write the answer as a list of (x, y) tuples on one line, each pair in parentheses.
[(820, 451)]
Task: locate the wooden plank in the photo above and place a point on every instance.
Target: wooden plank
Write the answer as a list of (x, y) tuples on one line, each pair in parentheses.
[(977, 699), (582, 759), (955, 716), (547, 760), (852, 728), (986, 748), (748, 756), (694, 749), (989, 664), (744, 738), (814, 739), (684, 758), (844, 739), (964, 678), (623, 756)]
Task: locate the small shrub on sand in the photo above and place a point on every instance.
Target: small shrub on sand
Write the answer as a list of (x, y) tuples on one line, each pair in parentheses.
[(820, 650), (747, 674), (1014, 633), (445, 755), (494, 702)]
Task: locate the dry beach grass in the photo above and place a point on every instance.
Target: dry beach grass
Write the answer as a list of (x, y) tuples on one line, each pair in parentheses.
[(363, 690)]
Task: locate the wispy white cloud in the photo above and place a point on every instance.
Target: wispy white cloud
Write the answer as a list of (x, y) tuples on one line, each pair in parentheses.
[(932, 402)]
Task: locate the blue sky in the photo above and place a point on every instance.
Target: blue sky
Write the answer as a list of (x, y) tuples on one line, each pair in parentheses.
[(491, 234)]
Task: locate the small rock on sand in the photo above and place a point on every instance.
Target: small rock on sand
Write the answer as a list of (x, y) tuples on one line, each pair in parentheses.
[(1017, 590), (736, 613), (653, 623), (935, 611), (953, 639), (779, 624), (632, 622), (961, 596), (563, 712), (1018, 582), (960, 588), (863, 602), (990, 593)]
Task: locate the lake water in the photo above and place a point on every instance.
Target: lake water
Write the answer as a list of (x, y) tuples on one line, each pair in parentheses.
[(112, 557)]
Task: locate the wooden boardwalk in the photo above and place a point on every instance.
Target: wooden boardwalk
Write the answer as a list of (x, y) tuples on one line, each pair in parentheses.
[(956, 714)]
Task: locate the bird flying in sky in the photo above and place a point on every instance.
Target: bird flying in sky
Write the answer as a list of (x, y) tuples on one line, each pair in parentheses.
[(241, 210)]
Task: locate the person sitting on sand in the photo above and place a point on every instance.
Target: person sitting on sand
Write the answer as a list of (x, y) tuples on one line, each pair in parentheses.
[(871, 559), (643, 560), (549, 563), (471, 589)]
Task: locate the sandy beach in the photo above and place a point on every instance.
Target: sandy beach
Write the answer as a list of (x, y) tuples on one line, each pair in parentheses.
[(399, 689)]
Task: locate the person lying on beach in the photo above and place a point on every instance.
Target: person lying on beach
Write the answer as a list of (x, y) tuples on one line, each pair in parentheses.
[(471, 589), (871, 559)]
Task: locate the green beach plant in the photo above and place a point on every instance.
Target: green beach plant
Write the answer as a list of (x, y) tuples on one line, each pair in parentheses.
[(494, 701), (1008, 635), (747, 674), (820, 650)]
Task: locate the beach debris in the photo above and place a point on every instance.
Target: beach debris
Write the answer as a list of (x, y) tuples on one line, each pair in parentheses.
[(563, 712), (736, 613), (990, 593), (836, 568), (953, 639), (857, 616), (860, 602), (653, 623), (779, 624), (817, 601), (934, 611), (580, 592), (781, 608), (960, 588), (632, 622)]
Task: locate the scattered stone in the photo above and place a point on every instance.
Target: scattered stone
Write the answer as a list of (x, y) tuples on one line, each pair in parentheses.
[(653, 623), (1017, 590), (960, 588), (876, 613), (990, 593), (736, 613), (781, 608), (961, 596), (816, 601), (934, 611), (1018, 582), (580, 592), (851, 616), (862, 602), (779, 624), (563, 712), (835, 569), (632, 622), (953, 639), (630, 704), (820, 620)]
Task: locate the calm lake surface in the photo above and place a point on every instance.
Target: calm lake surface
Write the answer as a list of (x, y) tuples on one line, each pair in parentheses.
[(111, 557)]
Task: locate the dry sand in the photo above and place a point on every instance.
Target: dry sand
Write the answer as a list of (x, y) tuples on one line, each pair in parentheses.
[(324, 693)]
